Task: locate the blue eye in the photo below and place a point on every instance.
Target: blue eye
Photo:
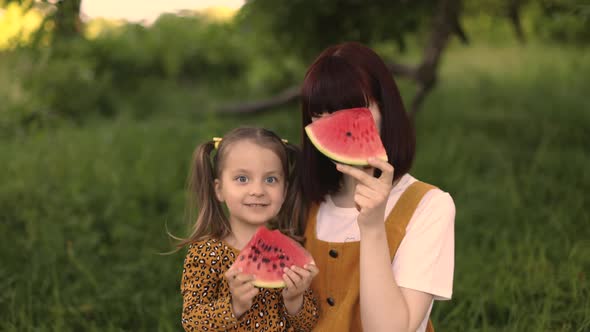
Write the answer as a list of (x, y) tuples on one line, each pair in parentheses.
[(271, 179), (241, 179)]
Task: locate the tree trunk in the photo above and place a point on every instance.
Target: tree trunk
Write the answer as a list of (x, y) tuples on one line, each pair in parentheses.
[(67, 19)]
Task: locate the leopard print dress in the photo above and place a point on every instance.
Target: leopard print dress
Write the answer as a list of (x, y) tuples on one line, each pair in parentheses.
[(207, 300)]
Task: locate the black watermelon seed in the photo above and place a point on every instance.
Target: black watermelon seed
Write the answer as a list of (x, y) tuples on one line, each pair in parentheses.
[(265, 260)]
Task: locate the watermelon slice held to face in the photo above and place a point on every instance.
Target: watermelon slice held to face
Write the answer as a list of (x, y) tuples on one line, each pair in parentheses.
[(267, 254), (348, 136)]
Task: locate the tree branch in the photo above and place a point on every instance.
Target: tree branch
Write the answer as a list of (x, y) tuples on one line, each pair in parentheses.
[(458, 29), (400, 70), (443, 25), (514, 15)]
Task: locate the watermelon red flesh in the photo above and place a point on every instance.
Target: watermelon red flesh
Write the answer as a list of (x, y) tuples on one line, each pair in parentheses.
[(348, 136), (267, 254)]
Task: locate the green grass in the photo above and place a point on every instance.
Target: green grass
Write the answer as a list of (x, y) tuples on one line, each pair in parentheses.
[(83, 211)]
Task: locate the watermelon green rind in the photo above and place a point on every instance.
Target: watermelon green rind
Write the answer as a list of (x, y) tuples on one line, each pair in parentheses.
[(269, 284)]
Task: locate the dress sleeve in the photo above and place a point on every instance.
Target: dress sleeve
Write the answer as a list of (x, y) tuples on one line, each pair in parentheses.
[(425, 258), (202, 308), (306, 318)]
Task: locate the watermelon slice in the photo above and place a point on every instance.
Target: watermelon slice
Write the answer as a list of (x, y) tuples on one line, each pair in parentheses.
[(267, 254), (348, 136)]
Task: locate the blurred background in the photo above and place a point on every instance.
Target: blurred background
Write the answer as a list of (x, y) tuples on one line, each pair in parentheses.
[(102, 103)]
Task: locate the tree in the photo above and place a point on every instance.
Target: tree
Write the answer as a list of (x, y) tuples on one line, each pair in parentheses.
[(305, 27), (62, 18)]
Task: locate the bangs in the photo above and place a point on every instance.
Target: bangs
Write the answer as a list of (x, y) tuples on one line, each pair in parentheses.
[(332, 84)]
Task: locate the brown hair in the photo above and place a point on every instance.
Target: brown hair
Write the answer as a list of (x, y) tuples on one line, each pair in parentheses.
[(211, 221), (344, 76)]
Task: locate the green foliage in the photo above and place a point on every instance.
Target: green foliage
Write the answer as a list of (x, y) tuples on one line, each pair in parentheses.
[(178, 63), (563, 21), (193, 64), (515, 152), (305, 27), (84, 210)]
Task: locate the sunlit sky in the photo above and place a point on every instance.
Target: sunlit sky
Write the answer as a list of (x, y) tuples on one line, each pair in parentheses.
[(147, 10)]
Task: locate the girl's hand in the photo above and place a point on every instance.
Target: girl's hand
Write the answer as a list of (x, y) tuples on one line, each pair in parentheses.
[(371, 193), (297, 281), (242, 290)]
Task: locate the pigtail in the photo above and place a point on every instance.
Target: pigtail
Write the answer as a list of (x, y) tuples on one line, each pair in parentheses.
[(210, 220), (291, 218)]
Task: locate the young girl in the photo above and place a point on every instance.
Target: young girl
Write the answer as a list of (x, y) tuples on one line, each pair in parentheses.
[(382, 240), (254, 173)]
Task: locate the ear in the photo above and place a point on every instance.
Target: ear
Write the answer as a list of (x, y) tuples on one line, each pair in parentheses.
[(218, 193)]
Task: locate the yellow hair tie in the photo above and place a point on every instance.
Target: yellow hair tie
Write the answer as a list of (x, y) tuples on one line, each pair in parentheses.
[(217, 140)]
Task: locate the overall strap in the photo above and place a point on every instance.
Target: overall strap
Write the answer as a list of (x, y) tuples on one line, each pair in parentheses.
[(310, 227), (402, 213)]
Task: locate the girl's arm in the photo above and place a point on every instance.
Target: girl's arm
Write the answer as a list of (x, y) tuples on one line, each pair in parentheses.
[(202, 307), (301, 307), (307, 317), (384, 305)]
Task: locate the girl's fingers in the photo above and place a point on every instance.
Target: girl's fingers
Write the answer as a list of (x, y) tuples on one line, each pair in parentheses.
[(243, 278), (246, 297), (244, 290), (295, 278), (232, 273), (301, 272), (313, 269), (239, 279), (363, 202), (366, 191), (376, 197), (288, 282), (356, 173), (385, 167), (251, 293)]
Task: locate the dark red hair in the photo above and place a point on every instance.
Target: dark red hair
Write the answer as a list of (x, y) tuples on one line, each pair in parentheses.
[(345, 76)]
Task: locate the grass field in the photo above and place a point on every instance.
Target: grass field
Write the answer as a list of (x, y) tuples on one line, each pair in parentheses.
[(84, 210)]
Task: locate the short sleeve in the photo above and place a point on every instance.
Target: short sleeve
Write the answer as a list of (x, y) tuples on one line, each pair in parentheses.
[(425, 258)]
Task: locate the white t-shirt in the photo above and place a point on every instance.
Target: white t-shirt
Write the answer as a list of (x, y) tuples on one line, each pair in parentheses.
[(426, 256)]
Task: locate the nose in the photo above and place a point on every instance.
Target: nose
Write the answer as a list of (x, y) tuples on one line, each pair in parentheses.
[(257, 189)]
